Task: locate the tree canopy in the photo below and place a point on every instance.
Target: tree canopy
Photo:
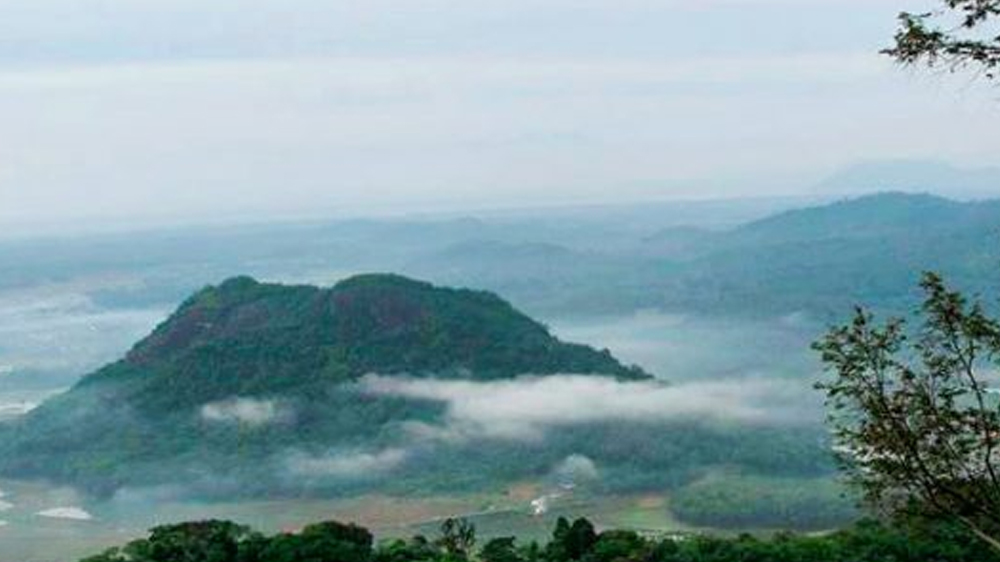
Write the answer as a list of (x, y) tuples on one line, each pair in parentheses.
[(916, 420), (577, 541), (961, 35)]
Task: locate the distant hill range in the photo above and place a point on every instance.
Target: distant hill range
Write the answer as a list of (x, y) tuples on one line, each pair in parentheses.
[(882, 214), (726, 258), (912, 176), (824, 260), (192, 398), (821, 260)]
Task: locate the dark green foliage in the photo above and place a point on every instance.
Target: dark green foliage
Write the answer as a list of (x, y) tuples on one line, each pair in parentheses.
[(615, 545), (571, 541), (202, 541), (458, 538), (556, 549), (576, 541), (501, 549), (417, 549), (323, 542)]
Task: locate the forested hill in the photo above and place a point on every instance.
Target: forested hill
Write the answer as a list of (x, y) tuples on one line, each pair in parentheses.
[(881, 214), (828, 258), (249, 338), (243, 353)]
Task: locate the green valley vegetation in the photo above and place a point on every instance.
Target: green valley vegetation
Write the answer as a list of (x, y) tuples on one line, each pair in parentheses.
[(257, 390), (742, 502), (576, 541)]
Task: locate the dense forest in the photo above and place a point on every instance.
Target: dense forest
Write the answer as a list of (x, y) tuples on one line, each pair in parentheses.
[(576, 541)]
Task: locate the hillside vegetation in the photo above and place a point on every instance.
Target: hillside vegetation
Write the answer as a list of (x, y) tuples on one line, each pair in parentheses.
[(246, 371)]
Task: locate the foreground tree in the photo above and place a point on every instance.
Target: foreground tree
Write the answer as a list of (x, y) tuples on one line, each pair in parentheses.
[(965, 34), (329, 541), (196, 541), (917, 425), (500, 549), (458, 537), (221, 541)]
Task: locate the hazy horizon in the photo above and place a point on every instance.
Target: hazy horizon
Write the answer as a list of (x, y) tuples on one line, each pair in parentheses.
[(180, 112)]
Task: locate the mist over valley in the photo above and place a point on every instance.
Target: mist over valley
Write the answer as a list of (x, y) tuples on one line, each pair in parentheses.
[(256, 401)]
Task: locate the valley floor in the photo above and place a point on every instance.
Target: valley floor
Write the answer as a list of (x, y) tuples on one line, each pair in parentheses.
[(28, 536)]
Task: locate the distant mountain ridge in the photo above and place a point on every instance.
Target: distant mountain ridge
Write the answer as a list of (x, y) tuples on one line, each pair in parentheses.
[(820, 260), (825, 259), (872, 215), (912, 176)]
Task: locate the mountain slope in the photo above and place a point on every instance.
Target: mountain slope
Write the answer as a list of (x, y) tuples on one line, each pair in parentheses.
[(873, 215), (821, 260), (826, 259), (912, 176), (246, 352)]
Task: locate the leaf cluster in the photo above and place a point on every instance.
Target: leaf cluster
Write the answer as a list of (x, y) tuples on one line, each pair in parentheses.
[(915, 420), (973, 42)]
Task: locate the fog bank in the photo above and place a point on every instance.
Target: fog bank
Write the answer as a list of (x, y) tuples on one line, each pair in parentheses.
[(524, 408)]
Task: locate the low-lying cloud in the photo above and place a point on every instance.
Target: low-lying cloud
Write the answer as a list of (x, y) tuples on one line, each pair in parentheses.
[(524, 408), (16, 409), (57, 328), (348, 464), (244, 411), (72, 513), (575, 469)]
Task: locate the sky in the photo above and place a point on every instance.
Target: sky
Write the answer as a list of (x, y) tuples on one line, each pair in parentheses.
[(162, 110)]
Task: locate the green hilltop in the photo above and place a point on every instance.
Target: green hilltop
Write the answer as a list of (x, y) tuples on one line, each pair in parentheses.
[(248, 338)]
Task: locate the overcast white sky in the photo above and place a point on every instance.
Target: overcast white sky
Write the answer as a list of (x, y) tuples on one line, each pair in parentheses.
[(161, 109)]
